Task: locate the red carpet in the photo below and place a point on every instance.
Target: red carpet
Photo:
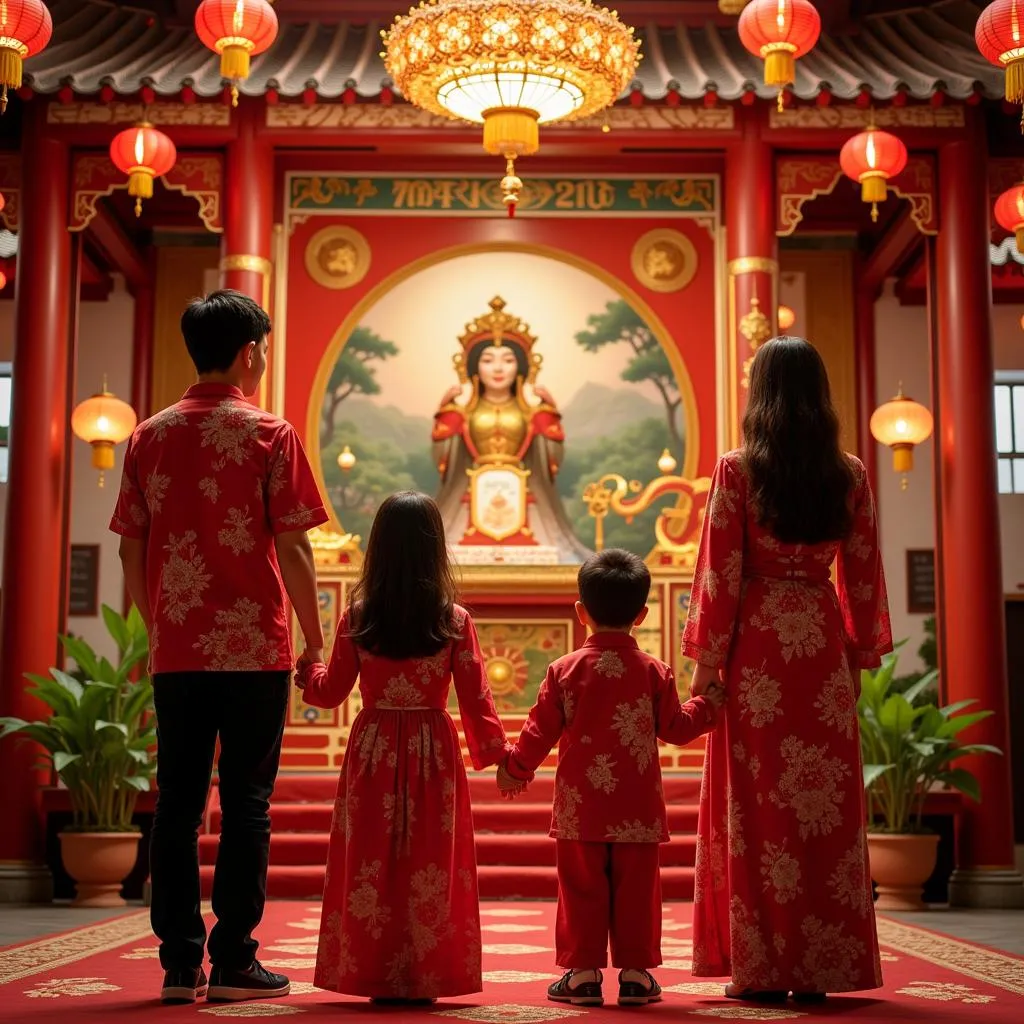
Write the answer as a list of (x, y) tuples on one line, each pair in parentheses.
[(109, 973), (515, 855)]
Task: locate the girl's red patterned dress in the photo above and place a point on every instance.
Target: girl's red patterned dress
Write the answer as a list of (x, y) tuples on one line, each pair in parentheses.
[(783, 890), (400, 911)]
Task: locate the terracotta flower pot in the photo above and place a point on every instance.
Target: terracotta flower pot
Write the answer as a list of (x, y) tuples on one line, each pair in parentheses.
[(99, 862), (900, 865)]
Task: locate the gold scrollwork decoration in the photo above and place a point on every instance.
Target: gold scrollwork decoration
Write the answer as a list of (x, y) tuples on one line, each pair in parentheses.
[(664, 260), (337, 257)]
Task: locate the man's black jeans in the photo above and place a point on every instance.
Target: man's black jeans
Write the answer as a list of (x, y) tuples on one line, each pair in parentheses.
[(247, 711)]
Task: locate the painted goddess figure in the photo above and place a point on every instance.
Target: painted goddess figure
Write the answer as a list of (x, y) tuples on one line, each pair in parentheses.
[(498, 444)]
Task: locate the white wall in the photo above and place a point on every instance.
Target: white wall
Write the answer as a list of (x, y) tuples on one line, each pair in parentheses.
[(104, 347)]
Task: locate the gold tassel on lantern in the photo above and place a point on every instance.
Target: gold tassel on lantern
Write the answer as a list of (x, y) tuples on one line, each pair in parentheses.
[(10, 73), (873, 190), (140, 185), (780, 70), (234, 66)]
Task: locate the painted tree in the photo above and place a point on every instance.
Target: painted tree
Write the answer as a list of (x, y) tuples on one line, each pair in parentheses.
[(619, 324), (353, 374)]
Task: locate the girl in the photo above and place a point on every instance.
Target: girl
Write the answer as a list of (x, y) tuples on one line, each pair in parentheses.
[(783, 893), (400, 914)]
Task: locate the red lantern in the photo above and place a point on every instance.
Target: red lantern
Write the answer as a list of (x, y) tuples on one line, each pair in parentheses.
[(779, 31), (999, 35), (3, 202), (3, 280), (872, 158), (1009, 211), (237, 30), (25, 29), (143, 153)]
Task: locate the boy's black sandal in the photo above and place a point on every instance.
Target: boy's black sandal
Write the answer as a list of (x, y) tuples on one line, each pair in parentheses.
[(586, 993), (636, 993)]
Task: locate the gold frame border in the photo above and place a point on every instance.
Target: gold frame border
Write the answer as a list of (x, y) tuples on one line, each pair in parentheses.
[(403, 273)]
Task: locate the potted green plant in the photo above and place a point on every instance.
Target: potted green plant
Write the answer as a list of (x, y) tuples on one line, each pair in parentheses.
[(100, 737), (909, 745)]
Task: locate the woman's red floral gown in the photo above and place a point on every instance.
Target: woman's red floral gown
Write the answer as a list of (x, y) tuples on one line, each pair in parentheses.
[(400, 912), (783, 890)]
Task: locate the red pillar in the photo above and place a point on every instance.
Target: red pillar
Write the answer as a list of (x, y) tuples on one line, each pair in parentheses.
[(971, 563), (248, 215), (751, 245), (33, 539)]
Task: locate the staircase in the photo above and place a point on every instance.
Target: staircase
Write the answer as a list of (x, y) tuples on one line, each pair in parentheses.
[(515, 856)]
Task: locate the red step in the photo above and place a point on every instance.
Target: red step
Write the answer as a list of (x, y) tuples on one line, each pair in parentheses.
[(535, 850), (499, 882), (532, 817)]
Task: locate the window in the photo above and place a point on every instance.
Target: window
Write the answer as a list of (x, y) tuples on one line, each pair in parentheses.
[(1009, 401), (5, 417)]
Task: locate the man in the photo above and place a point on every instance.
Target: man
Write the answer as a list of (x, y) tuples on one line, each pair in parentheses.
[(216, 498)]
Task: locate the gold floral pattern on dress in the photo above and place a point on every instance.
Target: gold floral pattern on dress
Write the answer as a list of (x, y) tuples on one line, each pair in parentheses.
[(429, 921), (436, 665), (209, 488), (183, 578), (448, 814), (371, 749), (944, 992), (850, 882), (837, 702), (706, 579), (635, 725), (565, 810), (811, 786), (749, 949), (364, 901), (781, 872), (336, 959), (156, 491), (722, 506), (792, 612), (236, 533), (636, 832), (57, 987), (758, 696), (734, 825), (753, 762), (399, 817), (830, 961), (232, 430), (401, 692), (238, 644), (610, 665), (732, 571), (600, 774), (345, 809)]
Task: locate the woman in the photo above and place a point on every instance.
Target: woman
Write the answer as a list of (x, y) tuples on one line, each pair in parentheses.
[(783, 891), (400, 917), (505, 420)]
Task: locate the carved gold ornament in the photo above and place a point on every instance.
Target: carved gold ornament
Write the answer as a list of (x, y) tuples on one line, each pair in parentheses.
[(664, 260), (337, 257)]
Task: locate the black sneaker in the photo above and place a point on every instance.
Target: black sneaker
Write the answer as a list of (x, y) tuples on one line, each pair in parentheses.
[(231, 986), (639, 993), (183, 985), (586, 993)]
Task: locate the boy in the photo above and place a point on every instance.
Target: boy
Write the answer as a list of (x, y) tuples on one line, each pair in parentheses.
[(216, 498), (608, 704)]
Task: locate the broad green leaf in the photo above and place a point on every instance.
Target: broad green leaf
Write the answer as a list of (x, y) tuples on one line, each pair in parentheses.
[(925, 683), (952, 709), (897, 714), (139, 782), (69, 683), (955, 726), (120, 726), (874, 771), (117, 627), (83, 654), (963, 780), (970, 749), (61, 759)]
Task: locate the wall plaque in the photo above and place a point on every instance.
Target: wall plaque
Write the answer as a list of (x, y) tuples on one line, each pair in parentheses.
[(84, 584), (921, 581)]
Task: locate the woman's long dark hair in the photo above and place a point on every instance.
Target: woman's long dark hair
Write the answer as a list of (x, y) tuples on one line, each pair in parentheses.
[(800, 479), (403, 605)]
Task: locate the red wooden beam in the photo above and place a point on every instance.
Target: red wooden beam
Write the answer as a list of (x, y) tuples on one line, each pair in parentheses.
[(118, 249), (895, 247)]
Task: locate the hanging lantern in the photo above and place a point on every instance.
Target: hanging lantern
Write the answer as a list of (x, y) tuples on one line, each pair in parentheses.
[(237, 30), (999, 35), (3, 202), (786, 318), (103, 421), (901, 424), (1009, 212), (3, 280), (25, 29), (143, 153), (872, 158), (780, 32)]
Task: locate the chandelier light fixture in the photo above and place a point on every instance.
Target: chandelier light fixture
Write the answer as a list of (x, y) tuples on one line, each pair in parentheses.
[(237, 30), (103, 421), (1009, 212), (143, 153), (901, 424), (511, 65), (999, 35), (25, 29), (780, 32), (872, 158)]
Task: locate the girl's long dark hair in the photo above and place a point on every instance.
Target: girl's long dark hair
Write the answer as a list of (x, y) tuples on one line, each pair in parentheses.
[(403, 605), (800, 479)]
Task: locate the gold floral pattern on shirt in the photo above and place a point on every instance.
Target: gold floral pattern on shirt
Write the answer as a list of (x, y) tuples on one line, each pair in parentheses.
[(635, 725), (780, 872), (238, 644), (568, 705), (792, 612), (232, 430), (156, 491), (183, 578), (758, 696), (811, 786), (364, 901), (565, 810), (164, 421), (837, 702), (636, 832), (236, 533), (299, 517), (209, 488), (850, 882), (830, 961), (610, 665), (600, 774)]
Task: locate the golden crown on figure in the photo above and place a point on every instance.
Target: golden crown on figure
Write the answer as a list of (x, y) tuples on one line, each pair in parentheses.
[(497, 328)]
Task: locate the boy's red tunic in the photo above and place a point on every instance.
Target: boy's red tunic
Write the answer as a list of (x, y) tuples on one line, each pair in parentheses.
[(401, 911), (607, 705)]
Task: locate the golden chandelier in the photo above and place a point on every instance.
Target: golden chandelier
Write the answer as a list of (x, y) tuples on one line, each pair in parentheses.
[(511, 65)]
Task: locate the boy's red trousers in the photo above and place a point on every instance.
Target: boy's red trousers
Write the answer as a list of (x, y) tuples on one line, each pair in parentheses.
[(608, 890)]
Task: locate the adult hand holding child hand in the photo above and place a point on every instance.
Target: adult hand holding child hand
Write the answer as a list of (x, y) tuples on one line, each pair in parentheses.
[(509, 786)]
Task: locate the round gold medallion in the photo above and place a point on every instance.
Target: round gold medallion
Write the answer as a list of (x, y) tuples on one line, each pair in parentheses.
[(664, 260), (337, 257)]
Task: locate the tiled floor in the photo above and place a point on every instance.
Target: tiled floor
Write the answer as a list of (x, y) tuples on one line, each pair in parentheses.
[(1000, 929)]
